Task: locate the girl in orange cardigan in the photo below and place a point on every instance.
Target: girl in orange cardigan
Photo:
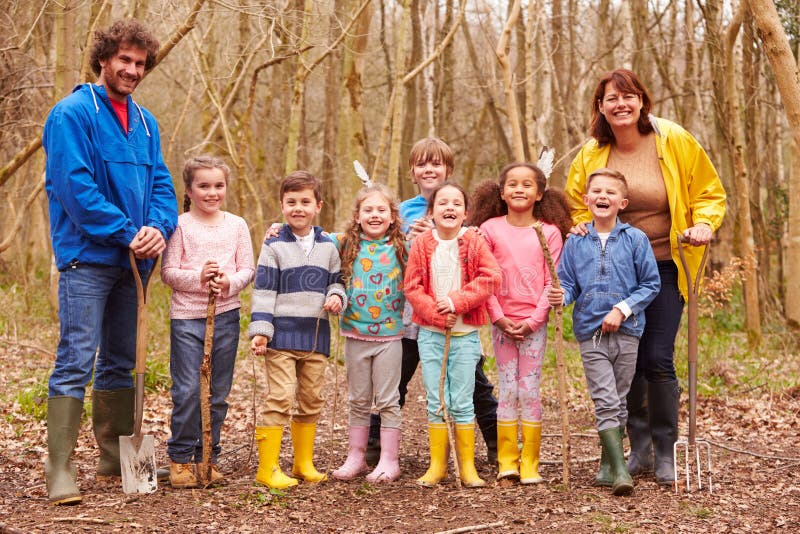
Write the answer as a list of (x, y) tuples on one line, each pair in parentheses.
[(449, 277)]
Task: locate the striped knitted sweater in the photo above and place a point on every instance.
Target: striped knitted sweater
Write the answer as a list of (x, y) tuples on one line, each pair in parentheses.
[(290, 289)]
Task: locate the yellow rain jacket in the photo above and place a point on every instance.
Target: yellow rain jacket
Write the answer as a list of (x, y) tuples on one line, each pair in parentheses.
[(694, 189)]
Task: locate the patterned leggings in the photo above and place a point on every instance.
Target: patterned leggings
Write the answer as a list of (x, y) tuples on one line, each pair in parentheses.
[(519, 369)]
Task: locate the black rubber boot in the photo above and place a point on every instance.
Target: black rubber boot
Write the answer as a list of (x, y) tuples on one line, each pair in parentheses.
[(63, 423), (373, 454), (641, 458), (485, 404), (622, 483), (663, 398), (112, 417)]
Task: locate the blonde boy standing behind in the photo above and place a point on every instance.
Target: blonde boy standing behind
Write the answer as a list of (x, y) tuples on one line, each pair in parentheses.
[(297, 281)]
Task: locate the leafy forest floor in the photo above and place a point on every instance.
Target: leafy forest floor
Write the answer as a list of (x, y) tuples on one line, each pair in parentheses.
[(756, 469)]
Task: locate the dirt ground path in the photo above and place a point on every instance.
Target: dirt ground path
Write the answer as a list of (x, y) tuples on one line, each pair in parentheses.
[(751, 493)]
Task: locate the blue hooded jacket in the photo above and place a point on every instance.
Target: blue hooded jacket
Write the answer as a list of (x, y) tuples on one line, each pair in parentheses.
[(597, 278), (102, 184)]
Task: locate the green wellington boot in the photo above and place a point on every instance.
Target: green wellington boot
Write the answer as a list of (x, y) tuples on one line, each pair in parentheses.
[(63, 424), (112, 417), (622, 483)]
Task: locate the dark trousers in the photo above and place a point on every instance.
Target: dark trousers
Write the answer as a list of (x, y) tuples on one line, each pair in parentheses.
[(656, 359), (483, 398)]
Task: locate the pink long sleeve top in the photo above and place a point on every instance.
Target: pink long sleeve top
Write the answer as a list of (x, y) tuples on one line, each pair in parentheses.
[(526, 280), (194, 243)]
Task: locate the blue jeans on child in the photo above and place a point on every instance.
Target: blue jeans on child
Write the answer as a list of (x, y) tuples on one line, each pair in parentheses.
[(187, 337), (459, 385), (96, 308)]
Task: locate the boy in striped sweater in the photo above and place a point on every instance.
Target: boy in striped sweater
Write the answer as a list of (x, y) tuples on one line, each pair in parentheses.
[(297, 283)]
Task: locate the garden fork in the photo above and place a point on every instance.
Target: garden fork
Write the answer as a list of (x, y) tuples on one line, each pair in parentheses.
[(692, 442)]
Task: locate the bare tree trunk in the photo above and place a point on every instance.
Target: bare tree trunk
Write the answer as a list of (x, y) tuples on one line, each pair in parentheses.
[(400, 58), (787, 77), (741, 179), (499, 131), (351, 134), (503, 46), (298, 92), (330, 154), (413, 102)]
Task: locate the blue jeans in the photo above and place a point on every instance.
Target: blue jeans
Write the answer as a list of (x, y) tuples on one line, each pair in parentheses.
[(187, 337), (97, 312), (459, 384), (656, 359)]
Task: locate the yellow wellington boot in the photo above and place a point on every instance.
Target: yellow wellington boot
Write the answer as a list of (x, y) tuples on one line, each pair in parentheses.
[(465, 444), (507, 450), (531, 443), (268, 439), (303, 443), (437, 437)]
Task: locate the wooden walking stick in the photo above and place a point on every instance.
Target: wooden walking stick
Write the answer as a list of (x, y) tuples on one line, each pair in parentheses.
[(448, 422), (205, 388), (561, 368)]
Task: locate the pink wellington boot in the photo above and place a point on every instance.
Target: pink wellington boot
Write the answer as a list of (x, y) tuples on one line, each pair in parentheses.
[(354, 465), (388, 468)]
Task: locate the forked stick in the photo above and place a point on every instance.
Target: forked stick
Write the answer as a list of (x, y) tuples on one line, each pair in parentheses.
[(448, 422), (561, 368)]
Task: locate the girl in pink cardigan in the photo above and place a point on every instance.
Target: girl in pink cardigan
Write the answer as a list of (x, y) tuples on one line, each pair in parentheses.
[(507, 210), (209, 251), (449, 277)]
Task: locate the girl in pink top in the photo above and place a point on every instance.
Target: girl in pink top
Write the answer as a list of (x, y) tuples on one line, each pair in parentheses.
[(506, 212), (209, 251)]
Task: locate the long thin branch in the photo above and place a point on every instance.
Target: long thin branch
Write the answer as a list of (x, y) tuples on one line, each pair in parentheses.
[(87, 49), (13, 234), (19, 160), (341, 37), (441, 46), (181, 32), (231, 96), (30, 30)]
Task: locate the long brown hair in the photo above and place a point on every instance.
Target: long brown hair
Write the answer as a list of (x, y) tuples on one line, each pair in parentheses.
[(201, 162), (627, 82), (552, 208), (351, 238)]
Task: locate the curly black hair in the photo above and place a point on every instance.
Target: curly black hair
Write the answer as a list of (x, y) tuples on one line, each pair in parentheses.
[(552, 208)]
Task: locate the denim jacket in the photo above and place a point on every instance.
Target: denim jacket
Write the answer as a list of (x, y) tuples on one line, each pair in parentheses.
[(596, 278)]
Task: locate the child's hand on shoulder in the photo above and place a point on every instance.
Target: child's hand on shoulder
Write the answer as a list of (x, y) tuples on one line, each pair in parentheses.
[(420, 225), (258, 345), (612, 320), (272, 231), (333, 304)]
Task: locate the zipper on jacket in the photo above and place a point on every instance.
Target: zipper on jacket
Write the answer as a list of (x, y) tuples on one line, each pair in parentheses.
[(603, 257)]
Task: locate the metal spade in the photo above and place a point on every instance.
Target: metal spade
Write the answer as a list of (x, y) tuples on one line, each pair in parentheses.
[(137, 453)]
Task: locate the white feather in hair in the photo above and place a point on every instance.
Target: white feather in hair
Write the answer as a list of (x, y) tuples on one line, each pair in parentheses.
[(546, 160), (361, 172)]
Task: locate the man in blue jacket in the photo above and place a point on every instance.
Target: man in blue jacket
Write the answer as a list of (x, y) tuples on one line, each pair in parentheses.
[(109, 192)]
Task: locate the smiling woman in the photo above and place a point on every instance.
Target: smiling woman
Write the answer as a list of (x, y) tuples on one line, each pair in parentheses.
[(673, 190)]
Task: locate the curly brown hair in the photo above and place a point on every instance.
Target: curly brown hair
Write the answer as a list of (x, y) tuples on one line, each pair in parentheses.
[(552, 208), (129, 32), (351, 238)]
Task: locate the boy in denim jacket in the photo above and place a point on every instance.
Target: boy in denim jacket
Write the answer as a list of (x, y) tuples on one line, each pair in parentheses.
[(611, 275)]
